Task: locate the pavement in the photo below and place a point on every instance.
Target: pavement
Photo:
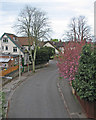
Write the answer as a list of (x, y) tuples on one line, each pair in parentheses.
[(70, 102)]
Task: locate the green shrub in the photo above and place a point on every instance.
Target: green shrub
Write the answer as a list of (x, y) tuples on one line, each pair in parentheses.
[(85, 79), (51, 51), (42, 56)]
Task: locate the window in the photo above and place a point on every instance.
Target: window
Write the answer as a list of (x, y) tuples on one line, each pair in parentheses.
[(5, 39), (2, 47), (14, 49), (6, 47), (15, 39)]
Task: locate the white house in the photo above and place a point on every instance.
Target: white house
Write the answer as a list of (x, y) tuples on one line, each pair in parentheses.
[(49, 44), (14, 45), (58, 46), (11, 45)]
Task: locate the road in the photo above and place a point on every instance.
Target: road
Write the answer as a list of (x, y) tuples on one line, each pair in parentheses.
[(38, 97)]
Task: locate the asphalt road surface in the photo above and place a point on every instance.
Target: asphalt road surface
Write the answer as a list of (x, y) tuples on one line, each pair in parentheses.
[(38, 97)]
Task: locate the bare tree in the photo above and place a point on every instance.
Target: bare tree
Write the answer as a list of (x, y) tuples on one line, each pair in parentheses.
[(34, 24), (78, 29)]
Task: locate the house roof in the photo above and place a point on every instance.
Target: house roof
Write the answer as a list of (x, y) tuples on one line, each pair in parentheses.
[(51, 44), (24, 41), (15, 41), (57, 45), (4, 60), (11, 35), (21, 41), (8, 55)]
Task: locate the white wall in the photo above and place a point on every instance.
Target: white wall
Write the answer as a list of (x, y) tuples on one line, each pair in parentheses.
[(49, 45)]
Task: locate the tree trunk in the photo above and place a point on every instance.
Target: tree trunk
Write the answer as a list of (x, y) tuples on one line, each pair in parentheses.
[(34, 57), (31, 58), (33, 66), (28, 66)]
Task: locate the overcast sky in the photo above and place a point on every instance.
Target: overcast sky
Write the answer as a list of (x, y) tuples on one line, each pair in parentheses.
[(59, 12)]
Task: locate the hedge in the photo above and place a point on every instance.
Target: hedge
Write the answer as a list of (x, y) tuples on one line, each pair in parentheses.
[(85, 79)]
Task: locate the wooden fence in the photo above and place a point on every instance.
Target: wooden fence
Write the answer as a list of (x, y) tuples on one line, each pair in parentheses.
[(3, 73)]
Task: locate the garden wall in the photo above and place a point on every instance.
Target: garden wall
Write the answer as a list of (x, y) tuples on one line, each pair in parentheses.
[(89, 107)]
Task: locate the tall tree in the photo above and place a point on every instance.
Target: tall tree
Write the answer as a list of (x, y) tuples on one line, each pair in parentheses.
[(34, 24), (78, 29)]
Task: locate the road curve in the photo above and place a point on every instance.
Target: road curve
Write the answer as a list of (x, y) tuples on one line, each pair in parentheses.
[(38, 97)]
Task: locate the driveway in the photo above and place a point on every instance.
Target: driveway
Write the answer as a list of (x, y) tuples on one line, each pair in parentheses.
[(38, 96)]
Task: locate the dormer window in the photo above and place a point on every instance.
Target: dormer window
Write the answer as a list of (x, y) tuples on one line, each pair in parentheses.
[(15, 39), (5, 40)]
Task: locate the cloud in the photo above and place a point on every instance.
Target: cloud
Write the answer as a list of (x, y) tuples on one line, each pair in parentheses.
[(59, 11), (35, 0), (59, 26)]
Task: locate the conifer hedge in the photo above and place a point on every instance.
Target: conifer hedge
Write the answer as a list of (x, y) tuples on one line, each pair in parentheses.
[(85, 79)]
